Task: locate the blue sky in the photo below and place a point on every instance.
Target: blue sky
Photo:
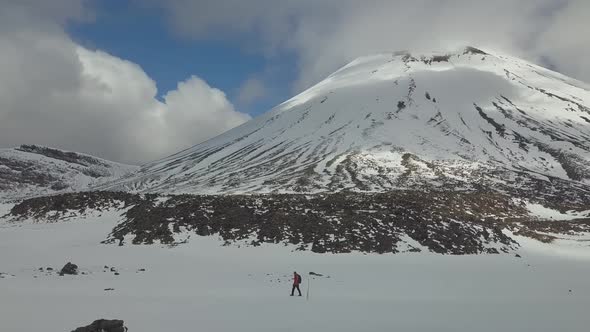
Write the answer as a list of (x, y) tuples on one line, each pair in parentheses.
[(140, 34)]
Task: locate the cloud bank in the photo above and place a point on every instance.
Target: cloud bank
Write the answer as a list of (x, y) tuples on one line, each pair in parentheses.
[(325, 34), (57, 93)]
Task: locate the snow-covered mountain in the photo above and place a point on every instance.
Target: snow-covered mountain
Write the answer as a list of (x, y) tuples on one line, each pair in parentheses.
[(462, 120), (31, 170)]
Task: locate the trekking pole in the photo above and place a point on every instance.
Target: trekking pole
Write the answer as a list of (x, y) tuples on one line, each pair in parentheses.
[(308, 286)]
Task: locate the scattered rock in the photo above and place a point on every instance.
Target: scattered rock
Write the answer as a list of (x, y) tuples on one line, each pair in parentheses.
[(117, 273), (104, 325), (40, 269), (109, 289), (141, 270), (49, 269), (106, 267), (315, 274), (517, 256), (69, 268), (113, 269)]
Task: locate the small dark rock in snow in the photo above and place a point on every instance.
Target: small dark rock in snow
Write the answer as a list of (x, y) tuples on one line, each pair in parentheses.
[(113, 269), (109, 289), (517, 256), (141, 270), (104, 325), (49, 269), (315, 274), (116, 273), (69, 268), (40, 269), (106, 267)]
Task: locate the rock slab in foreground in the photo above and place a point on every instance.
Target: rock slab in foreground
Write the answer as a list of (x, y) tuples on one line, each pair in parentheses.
[(104, 325), (69, 268)]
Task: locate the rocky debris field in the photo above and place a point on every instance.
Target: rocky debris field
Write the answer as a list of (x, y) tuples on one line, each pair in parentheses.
[(73, 270), (399, 221)]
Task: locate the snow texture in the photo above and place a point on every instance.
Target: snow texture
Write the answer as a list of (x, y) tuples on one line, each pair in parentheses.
[(539, 211)]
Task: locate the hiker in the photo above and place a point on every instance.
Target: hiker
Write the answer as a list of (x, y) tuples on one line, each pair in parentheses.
[(296, 283)]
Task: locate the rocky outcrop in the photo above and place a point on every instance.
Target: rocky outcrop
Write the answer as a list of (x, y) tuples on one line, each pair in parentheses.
[(443, 222), (104, 325), (50, 208), (69, 268)]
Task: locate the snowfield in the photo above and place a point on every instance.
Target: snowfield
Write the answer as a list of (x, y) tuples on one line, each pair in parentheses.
[(204, 286)]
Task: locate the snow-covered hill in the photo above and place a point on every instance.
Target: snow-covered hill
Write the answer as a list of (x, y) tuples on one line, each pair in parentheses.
[(31, 170), (465, 120)]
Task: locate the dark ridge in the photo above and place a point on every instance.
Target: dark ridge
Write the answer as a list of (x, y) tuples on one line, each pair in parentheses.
[(436, 58), (70, 157), (473, 50), (500, 129)]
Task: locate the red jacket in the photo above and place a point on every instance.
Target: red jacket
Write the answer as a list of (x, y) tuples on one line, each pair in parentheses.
[(296, 279)]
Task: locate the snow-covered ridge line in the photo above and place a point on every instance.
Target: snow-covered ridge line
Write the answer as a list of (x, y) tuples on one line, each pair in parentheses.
[(31, 170)]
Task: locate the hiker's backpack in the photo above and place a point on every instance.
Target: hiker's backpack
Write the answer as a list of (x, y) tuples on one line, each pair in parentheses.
[(299, 279)]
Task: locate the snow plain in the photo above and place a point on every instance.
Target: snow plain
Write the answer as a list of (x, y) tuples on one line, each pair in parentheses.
[(204, 286)]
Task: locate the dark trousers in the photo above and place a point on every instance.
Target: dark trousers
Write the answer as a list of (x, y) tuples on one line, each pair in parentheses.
[(294, 288)]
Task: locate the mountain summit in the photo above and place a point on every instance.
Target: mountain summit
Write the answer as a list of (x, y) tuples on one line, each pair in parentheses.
[(467, 120)]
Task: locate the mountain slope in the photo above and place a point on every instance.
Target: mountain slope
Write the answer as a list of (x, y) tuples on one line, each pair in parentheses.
[(31, 170), (467, 120)]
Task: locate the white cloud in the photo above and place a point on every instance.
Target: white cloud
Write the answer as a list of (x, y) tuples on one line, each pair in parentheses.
[(325, 34), (57, 93), (195, 112), (251, 90)]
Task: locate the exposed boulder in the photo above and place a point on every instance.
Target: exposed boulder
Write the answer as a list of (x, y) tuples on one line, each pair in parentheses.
[(104, 325), (69, 268)]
